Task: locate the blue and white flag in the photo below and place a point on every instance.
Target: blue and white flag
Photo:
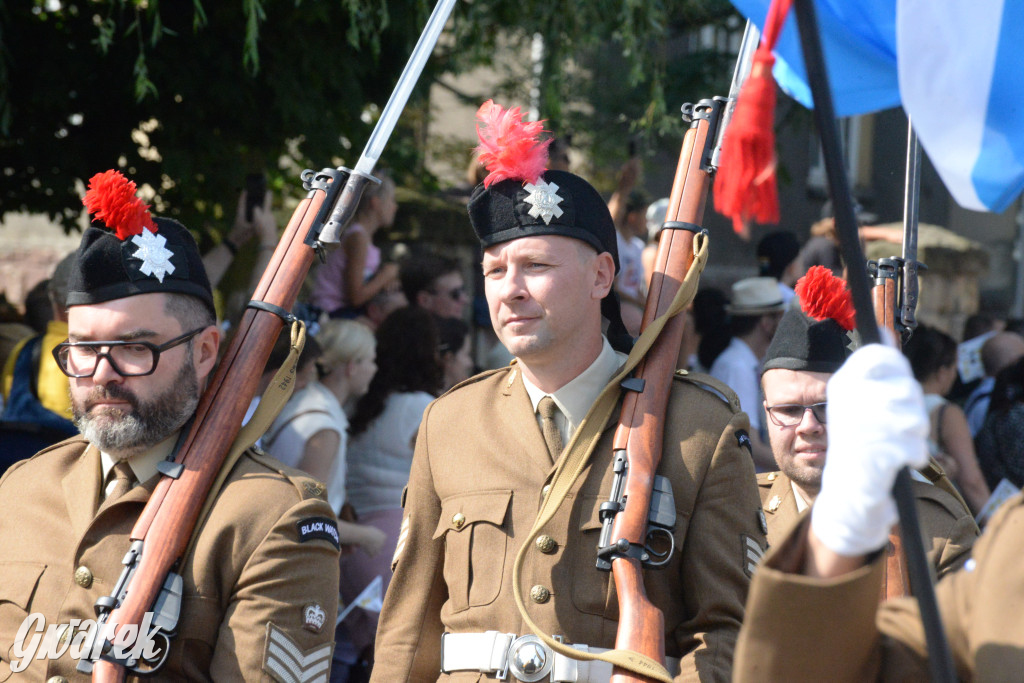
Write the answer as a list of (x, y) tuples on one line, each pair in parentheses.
[(956, 66)]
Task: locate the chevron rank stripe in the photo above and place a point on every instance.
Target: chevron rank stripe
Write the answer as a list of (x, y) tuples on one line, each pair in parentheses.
[(286, 662), (403, 536), (753, 553)]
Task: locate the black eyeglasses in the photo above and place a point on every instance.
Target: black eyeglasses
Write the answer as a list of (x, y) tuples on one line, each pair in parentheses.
[(790, 414), (127, 358), (454, 294)]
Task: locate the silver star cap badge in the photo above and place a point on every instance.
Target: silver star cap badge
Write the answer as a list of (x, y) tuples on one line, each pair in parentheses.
[(543, 200), (155, 257)]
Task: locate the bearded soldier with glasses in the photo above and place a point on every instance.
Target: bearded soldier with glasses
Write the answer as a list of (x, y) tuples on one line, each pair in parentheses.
[(810, 345), (142, 346)]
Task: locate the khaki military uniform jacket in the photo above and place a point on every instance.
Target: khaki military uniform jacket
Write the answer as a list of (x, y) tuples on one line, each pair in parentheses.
[(256, 597), (477, 482), (803, 629), (947, 528)]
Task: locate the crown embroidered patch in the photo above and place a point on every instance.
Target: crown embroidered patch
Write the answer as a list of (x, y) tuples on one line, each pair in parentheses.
[(313, 617)]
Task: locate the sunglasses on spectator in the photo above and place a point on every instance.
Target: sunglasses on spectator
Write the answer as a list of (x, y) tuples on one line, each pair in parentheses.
[(454, 294), (791, 414)]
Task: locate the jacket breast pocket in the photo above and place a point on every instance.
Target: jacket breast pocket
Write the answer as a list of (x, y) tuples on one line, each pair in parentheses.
[(593, 592), (475, 542), (18, 582)]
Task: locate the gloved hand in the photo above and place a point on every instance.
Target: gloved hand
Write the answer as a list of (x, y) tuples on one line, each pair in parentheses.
[(877, 425)]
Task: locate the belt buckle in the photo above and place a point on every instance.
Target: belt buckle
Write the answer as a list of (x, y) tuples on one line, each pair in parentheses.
[(529, 659)]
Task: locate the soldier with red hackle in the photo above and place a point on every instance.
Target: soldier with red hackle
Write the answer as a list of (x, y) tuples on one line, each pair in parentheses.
[(488, 450), (259, 582)]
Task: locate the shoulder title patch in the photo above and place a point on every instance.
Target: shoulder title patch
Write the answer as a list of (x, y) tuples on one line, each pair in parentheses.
[(318, 528)]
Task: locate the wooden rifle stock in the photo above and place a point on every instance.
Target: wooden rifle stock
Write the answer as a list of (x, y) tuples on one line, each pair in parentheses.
[(884, 291), (170, 516), (641, 424)]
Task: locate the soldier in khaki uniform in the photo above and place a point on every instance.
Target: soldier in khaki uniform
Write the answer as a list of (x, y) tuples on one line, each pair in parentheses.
[(812, 613), (487, 450), (801, 358), (260, 587)]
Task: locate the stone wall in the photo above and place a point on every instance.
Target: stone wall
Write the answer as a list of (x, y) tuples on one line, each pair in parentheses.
[(950, 287)]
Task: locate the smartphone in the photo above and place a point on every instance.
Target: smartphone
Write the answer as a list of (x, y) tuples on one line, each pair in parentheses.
[(255, 191)]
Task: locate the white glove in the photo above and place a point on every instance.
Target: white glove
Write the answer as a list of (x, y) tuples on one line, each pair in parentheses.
[(877, 425)]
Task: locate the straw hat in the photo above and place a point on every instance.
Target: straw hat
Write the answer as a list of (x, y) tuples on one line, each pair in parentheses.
[(755, 296)]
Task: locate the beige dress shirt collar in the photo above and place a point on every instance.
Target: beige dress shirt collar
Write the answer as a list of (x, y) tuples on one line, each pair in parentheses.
[(143, 465), (575, 398)]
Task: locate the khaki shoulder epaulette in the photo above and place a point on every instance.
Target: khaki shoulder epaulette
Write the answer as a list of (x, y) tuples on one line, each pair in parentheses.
[(479, 377), (307, 486), (712, 386)]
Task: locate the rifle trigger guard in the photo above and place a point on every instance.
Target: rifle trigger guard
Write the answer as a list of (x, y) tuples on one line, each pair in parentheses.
[(141, 666), (649, 558), (659, 560)]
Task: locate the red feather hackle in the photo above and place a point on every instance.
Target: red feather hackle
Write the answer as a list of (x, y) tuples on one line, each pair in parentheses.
[(111, 198), (510, 148), (823, 295)]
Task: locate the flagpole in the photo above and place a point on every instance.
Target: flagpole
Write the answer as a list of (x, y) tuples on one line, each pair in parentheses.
[(940, 658)]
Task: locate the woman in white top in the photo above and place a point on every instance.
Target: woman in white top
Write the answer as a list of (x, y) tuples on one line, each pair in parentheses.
[(311, 433), (383, 433)]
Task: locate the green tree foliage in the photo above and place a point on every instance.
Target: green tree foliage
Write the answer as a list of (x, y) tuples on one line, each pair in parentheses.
[(189, 96), (609, 67)]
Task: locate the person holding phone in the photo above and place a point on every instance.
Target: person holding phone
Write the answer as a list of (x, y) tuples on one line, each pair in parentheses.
[(354, 274)]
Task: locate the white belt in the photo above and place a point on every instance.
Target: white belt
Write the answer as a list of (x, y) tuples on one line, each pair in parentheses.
[(526, 658)]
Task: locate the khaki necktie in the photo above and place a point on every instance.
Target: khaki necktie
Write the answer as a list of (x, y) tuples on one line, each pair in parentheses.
[(124, 478), (552, 437)]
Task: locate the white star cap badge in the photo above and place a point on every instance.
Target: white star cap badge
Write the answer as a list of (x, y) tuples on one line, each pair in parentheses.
[(544, 200), (155, 257)]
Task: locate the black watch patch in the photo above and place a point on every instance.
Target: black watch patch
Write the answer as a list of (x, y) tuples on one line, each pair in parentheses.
[(318, 528)]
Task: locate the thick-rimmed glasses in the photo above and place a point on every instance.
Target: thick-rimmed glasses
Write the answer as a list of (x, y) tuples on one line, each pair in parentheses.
[(790, 414), (127, 358)]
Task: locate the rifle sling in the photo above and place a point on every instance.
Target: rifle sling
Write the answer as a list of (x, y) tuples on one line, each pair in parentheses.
[(577, 455), (273, 400)]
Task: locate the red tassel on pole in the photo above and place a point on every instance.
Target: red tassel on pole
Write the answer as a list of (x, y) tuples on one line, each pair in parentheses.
[(745, 186)]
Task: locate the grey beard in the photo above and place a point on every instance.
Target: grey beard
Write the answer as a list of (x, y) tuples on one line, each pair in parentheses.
[(124, 434)]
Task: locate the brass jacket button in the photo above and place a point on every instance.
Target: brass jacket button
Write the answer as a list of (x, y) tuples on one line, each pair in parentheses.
[(540, 594), (56, 679), (546, 544), (546, 490), (83, 576), (459, 520)]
